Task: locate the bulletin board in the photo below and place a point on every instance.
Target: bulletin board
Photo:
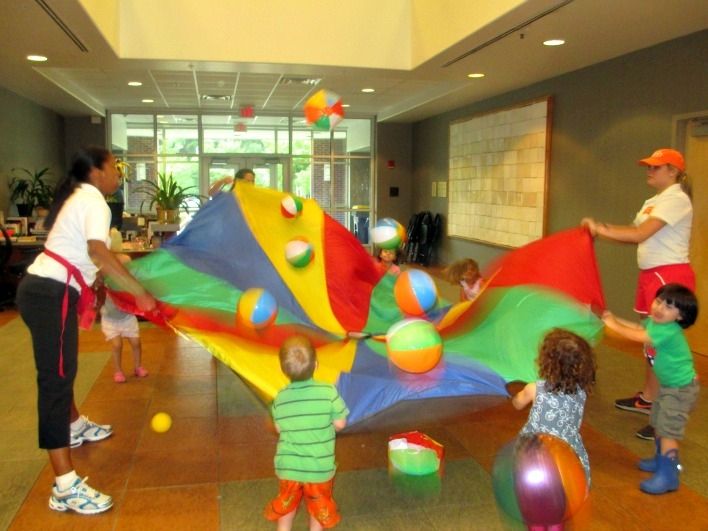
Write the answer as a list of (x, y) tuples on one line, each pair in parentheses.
[(498, 174)]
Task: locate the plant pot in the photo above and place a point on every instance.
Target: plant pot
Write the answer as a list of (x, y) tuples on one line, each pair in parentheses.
[(167, 215), (24, 210), (116, 214), (41, 212)]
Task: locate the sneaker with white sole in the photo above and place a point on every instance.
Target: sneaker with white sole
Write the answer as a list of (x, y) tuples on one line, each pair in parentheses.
[(635, 403), (79, 498), (90, 432), (647, 433)]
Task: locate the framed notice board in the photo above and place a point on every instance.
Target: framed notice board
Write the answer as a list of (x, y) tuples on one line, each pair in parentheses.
[(498, 174)]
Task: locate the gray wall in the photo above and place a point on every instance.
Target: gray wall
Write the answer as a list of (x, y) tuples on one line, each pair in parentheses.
[(393, 143), (32, 137), (605, 118), (80, 132)]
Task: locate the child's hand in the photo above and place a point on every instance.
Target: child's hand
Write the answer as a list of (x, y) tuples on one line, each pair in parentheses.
[(607, 315), (590, 224)]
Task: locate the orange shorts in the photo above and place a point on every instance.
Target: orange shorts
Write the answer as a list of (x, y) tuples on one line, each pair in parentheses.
[(318, 499)]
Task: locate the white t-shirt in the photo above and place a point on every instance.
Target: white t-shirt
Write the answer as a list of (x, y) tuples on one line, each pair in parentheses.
[(670, 244), (84, 216)]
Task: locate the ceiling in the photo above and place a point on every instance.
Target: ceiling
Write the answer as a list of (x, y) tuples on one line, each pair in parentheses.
[(508, 49)]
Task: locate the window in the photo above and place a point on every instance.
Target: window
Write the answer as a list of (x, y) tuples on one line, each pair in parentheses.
[(335, 168)]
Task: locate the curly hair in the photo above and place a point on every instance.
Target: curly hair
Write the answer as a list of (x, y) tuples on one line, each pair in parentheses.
[(566, 362), (456, 271)]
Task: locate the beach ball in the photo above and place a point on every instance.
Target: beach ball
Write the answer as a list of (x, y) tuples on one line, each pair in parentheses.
[(161, 422), (414, 345), (257, 308), (291, 206), (388, 234), (299, 252), (415, 292), (539, 480), (412, 459), (323, 110)]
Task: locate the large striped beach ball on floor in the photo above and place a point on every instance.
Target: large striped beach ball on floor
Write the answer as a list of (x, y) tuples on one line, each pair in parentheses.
[(539, 480), (414, 345)]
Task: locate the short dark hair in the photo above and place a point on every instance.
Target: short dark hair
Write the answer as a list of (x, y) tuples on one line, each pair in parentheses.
[(297, 358), (241, 174), (683, 299)]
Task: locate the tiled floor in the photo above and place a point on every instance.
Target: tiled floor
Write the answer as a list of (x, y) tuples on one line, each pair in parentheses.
[(213, 469)]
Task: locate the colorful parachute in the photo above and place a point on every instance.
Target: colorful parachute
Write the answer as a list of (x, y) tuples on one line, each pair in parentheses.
[(345, 305)]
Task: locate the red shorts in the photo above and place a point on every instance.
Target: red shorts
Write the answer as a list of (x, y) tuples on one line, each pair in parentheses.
[(650, 280), (318, 499)]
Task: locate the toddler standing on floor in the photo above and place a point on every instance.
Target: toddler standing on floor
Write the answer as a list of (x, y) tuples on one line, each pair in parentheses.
[(566, 365), (465, 273), (116, 325), (674, 308), (307, 414)]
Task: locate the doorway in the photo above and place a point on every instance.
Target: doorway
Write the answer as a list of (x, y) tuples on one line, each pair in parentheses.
[(271, 172), (693, 138)]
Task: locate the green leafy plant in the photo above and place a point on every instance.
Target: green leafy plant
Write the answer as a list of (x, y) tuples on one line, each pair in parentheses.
[(167, 193), (31, 190)]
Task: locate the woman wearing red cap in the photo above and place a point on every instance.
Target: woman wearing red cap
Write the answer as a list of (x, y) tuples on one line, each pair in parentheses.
[(662, 232)]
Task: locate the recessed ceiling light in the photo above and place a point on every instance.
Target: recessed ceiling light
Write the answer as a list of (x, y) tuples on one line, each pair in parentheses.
[(148, 100), (216, 97), (135, 83), (554, 42), (36, 58), (368, 90), (476, 75)]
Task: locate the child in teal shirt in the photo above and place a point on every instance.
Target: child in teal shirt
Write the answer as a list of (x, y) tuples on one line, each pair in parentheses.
[(674, 308)]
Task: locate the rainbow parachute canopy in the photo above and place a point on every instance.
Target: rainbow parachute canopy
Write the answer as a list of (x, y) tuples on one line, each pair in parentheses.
[(323, 110), (345, 305)]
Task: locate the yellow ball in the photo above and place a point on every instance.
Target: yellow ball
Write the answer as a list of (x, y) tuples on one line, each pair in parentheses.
[(161, 422)]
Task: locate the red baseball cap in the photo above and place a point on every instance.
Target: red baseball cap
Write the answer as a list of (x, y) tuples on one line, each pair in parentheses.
[(665, 156)]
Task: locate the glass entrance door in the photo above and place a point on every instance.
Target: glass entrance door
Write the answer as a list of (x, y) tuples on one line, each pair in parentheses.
[(271, 172)]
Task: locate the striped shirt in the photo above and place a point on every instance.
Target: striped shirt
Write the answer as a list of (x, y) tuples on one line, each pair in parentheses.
[(304, 413)]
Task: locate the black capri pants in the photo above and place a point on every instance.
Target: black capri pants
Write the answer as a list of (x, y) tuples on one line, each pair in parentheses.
[(39, 300)]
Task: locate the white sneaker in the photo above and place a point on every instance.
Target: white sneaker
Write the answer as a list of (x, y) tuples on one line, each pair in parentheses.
[(90, 432), (79, 498)]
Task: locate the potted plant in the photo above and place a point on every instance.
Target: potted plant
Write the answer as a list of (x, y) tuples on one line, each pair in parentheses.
[(167, 196), (31, 191)]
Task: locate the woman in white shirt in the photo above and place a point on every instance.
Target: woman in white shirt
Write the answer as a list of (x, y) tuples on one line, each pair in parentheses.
[(76, 248), (662, 232)]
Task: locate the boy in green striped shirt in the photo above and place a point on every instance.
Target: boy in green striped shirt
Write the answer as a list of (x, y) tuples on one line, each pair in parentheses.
[(307, 414)]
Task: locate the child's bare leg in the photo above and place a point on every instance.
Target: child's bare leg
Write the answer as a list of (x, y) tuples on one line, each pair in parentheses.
[(314, 524), (137, 348), (668, 444), (117, 348), (285, 523), (651, 385)]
